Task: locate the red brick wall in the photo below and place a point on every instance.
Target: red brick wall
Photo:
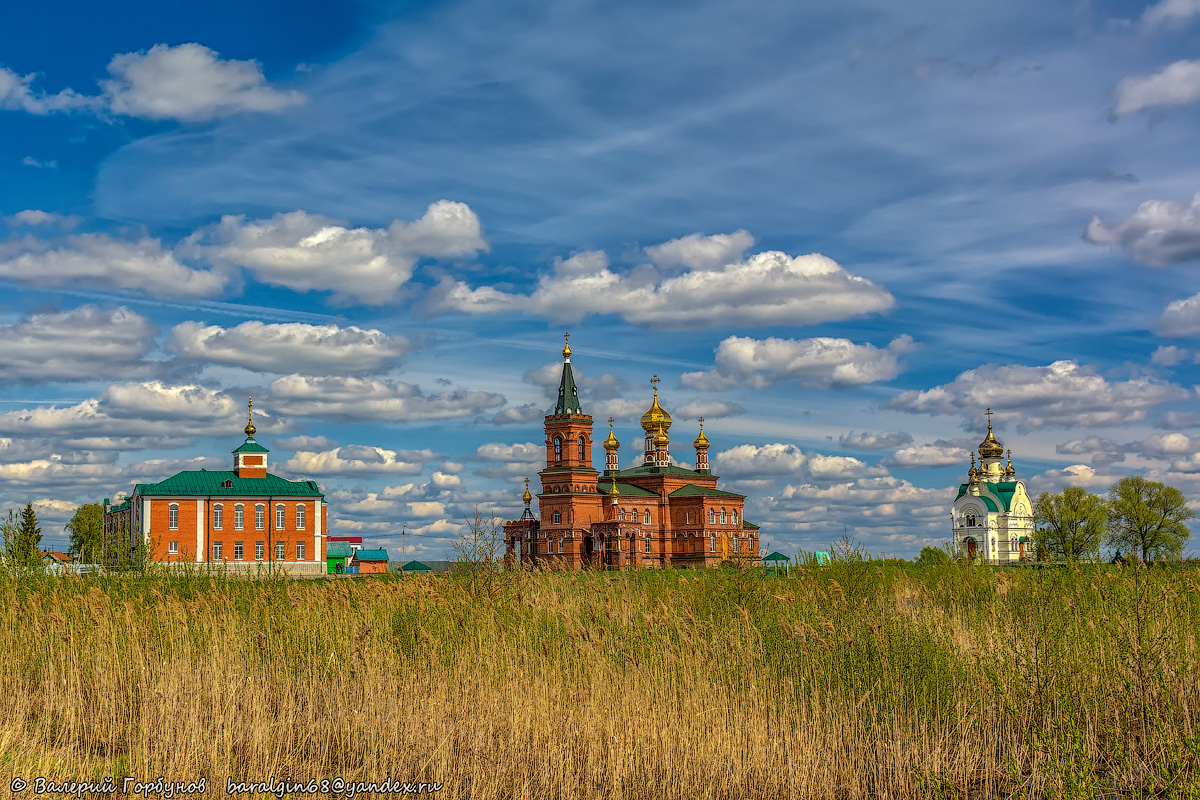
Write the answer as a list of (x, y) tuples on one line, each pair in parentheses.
[(161, 535)]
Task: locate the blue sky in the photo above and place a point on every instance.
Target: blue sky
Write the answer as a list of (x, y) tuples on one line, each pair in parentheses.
[(837, 231)]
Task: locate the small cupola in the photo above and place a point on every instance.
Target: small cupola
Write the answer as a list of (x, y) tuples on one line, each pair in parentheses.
[(250, 459)]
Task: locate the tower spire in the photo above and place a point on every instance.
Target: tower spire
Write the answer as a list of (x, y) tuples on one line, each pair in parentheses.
[(250, 418), (568, 393)]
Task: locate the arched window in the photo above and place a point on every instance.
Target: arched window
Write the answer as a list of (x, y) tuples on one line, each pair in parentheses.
[(712, 544), (218, 516), (581, 448), (724, 519), (300, 516), (557, 517), (970, 520), (173, 516), (647, 544), (621, 515), (712, 517), (733, 516), (260, 516), (239, 516), (557, 448), (280, 517)]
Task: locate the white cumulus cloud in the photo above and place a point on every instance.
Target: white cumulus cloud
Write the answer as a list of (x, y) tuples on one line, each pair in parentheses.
[(98, 260), (146, 409), (874, 441), (1158, 233), (358, 460), (938, 454), (290, 347), (701, 252), (821, 362), (1179, 318), (189, 82), (767, 288), (308, 252), (83, 344), (1175, 85), (1170, 12), (1063, 394), (372, 399)]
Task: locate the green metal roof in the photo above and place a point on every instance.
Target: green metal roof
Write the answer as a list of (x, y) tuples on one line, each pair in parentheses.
[(1005, 491), (776, 556), (645, 469), (962, 489), (212, 482), (251, 446), (416, 566), (626, 489), (748, 525), (568, 393), (691, 490), (371, 555), (337, 549)]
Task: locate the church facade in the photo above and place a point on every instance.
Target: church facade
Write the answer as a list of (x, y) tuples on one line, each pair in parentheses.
[(654, 514), (992, 515)]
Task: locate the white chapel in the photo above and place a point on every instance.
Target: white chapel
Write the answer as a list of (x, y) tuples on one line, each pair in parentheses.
[(992, 514)]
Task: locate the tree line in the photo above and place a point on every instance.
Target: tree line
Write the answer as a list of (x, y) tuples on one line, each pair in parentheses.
[(1137, 517), (22, 535)]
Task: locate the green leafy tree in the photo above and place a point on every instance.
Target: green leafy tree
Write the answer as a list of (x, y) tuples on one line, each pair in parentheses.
[(933, 557), (1148, 518), (21, 544), (9, 527), (87, 532), (1070, 525)]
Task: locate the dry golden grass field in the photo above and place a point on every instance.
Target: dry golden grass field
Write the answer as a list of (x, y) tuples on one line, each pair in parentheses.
[(847, 680)]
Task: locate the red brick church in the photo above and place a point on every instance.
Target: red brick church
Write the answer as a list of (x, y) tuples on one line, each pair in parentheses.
[(655, 514)]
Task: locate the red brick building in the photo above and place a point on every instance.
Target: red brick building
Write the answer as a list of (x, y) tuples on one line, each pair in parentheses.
[(244, 515), (655, 514)]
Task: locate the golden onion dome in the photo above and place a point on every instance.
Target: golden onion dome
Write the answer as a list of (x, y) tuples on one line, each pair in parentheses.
[(527, 497), (973, 473), (656, 415), (566, 345), (1009, 472), (701, 442), (250, 418), (611, 442), (989, 447), (613, 492), (661, 439)]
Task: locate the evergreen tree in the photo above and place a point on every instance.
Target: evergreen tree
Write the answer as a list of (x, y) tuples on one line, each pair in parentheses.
[(25, 548), (1148, 518)]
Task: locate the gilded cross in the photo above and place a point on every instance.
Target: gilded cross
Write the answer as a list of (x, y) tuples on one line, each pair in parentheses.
[(989, 416), (654, 382), (567, 339), (702, 423)]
